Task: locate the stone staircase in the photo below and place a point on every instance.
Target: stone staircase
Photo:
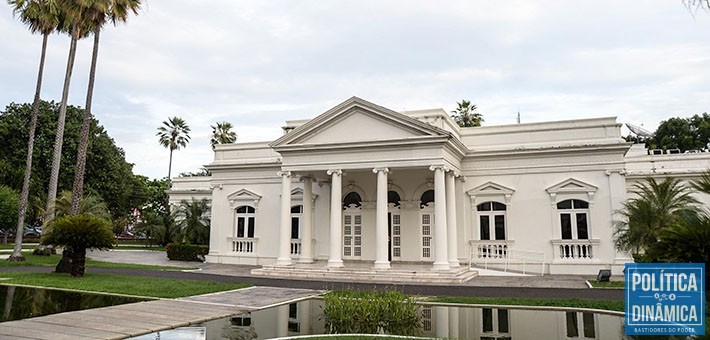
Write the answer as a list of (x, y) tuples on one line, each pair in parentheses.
[(422, 274)]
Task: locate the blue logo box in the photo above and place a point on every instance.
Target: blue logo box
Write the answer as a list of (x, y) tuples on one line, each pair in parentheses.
[(664, 299)]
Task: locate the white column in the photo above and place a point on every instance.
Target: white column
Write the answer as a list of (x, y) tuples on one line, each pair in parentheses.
[(440, 234), (451, 219), (284, 258), (442, 322), (336, 218), (307, 222), (381, 251)]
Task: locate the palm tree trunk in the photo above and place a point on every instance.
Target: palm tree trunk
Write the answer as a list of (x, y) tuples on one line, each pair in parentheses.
[(17, 250), (59, 139), (170, 168), (78, 189)]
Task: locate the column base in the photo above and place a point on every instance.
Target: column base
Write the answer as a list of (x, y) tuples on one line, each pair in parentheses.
[(281, 262), (382, 265), (305, 260), (335, 264), (441, 266), (454, 264)]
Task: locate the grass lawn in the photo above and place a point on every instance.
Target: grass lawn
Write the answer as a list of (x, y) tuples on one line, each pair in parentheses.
[(121, 284), (52, 260), (610, 284), (572, 303)]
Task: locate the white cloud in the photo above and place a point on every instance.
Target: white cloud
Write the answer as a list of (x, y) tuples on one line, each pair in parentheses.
[(257, 64)]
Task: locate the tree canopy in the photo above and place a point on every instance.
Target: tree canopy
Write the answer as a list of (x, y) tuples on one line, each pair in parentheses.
[(682, 133), (108, 175), (465, 114)]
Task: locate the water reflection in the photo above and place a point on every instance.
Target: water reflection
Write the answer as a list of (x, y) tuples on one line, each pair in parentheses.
[(23, 302), (305, 318)]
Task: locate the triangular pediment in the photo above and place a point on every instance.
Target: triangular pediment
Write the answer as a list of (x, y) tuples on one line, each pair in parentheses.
[(243, 196), (572, 185), (490, 188), (356, 120)]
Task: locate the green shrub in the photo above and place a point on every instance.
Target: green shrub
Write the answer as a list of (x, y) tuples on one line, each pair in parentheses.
[(186, 252), (77, 234), (391, 312)]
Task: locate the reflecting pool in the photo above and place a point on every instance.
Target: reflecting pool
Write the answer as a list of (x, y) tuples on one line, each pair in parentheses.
[(306, 318), (23, 302)]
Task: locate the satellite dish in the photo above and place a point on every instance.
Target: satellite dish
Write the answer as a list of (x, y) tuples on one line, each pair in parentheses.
[(639, 131)]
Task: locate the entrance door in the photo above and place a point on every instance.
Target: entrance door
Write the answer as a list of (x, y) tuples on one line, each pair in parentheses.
[(394, 236), (352, 235)]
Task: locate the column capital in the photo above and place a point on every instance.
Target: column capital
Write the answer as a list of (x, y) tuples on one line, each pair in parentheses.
[(439, 167), (284, 173), (304, 178), (384, 169), (461, 178), (334, 171)]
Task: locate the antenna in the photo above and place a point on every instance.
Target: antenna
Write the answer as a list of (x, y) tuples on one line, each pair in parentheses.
[(639, 131)]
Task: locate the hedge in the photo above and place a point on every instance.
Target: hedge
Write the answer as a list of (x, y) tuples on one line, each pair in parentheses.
[(186, 252)]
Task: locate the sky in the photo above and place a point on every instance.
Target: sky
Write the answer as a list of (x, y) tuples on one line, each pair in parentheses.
[(257, 64)]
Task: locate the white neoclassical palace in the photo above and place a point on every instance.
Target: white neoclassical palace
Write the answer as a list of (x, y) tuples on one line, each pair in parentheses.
[(364, 186)]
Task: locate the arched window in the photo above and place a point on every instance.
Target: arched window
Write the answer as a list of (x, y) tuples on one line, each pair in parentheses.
[(574, 219), (245, 221), (427, 197), (393, 198), (491, 220), (352, 198)]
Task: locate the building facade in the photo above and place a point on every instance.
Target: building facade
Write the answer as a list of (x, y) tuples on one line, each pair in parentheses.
[(361, 183)]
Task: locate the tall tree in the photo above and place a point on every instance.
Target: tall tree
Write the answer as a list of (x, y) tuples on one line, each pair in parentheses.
[(173, 135), (222, 134), (465, 114), (682, 133), (95, 16), (41, 17), (70, 23), (108, 174), (655, 207)]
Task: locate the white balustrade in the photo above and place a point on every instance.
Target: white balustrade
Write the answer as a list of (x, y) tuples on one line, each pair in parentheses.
[(243, 245), (574, 249), (295, 246)]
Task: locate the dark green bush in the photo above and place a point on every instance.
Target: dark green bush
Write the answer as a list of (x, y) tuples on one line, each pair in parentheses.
[(186, 252)]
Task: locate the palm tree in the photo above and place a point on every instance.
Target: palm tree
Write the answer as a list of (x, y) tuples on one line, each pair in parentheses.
[(90, 206), (71, 17), (222, 134), (192, 219), (656, 207), (173, 134), (41, 17), (95, 17), (702, 184), (465, 114)]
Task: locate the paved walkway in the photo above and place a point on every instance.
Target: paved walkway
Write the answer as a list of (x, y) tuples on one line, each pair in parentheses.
[(122, 321), (488, 283)]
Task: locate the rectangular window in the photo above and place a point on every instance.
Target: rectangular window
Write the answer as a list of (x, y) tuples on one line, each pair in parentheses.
[(566, 223), (250, 232), (240, 227), (588, 320), (572, 331), (485, 228), (582, 229), (294, 227), (500, 227), (487, 316), (503, 326)]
